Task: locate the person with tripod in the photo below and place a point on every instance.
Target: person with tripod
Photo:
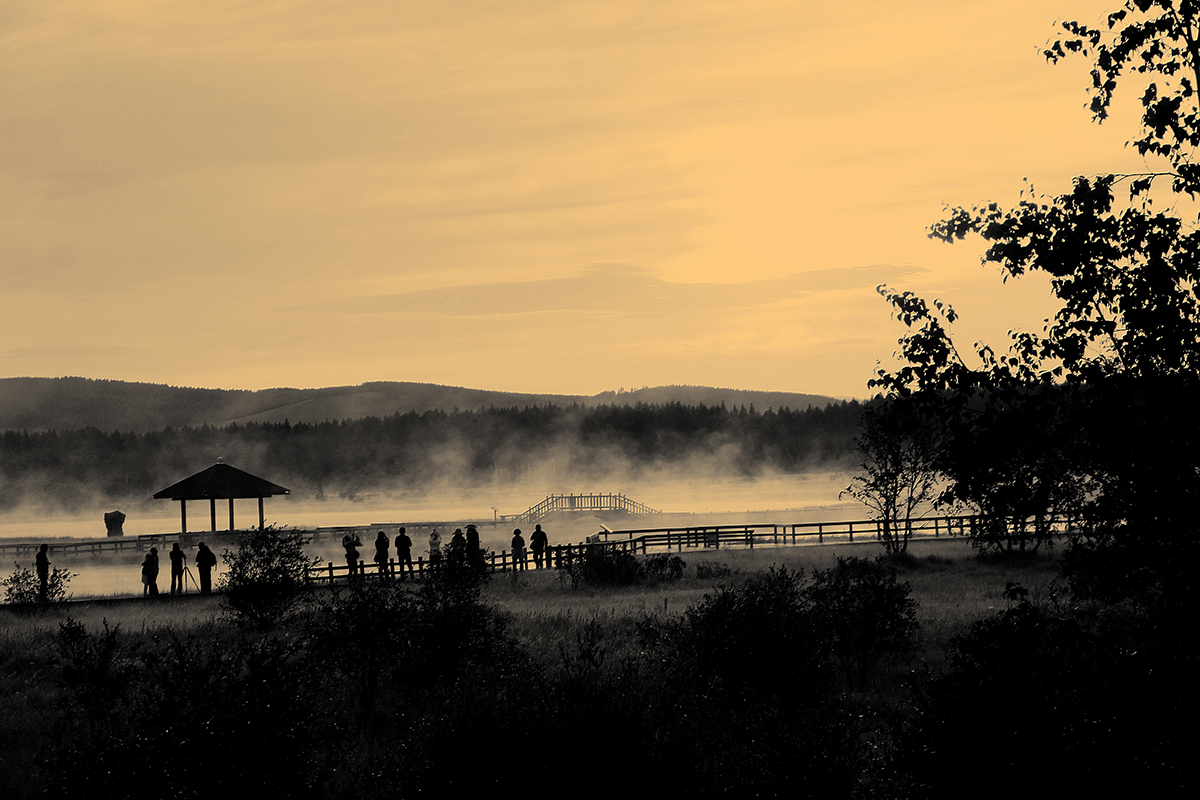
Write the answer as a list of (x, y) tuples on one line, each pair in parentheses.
[(178, 558)]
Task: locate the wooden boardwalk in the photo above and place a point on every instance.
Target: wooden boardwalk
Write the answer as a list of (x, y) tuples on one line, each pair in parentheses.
[(579, 503), (680, 538), (633, 540)]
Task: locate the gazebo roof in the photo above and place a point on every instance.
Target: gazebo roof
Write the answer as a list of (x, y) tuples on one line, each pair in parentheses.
[(220, 481)]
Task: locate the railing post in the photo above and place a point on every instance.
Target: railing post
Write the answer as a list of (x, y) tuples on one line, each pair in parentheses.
[(850, 525)]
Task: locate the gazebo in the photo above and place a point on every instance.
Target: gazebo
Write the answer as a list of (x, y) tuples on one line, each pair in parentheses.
[(220, 482)]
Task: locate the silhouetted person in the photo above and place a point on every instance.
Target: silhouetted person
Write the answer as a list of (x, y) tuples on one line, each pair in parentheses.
[(178, 557), (42, 562), (538, 542), (458, 548), (474, 553), (205, 561), (435, 547), (150, 573), (403, 551), (518, 550), (351, 542), (381, 552)]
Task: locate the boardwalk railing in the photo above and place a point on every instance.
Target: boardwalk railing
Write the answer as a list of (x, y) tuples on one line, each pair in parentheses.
[(636, 540), (644, 540), (581, 502)]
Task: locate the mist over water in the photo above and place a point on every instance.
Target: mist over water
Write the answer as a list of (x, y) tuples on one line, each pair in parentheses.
[(783, 499), (671, 496)]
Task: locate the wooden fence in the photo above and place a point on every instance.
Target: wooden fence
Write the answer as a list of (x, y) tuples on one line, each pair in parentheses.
[(645, 540)]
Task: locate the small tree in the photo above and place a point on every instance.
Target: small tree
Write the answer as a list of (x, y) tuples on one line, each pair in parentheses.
[(899, 475), (265, 577), (23, 589)]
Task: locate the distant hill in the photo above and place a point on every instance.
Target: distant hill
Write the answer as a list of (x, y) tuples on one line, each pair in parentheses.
[(69, 403)]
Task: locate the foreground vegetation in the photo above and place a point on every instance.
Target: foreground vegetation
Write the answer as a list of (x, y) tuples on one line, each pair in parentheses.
[(814, 671)]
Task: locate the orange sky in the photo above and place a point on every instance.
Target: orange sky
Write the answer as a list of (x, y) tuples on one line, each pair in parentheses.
[(527, 196)]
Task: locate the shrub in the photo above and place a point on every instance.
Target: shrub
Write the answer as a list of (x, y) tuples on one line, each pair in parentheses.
[(752, 636), (1047, 678), (94, 668), (265, 577), (745, 704), (458, 571), (865, 614), (664, 567), (22, 587), (600, 566), (708, 572)]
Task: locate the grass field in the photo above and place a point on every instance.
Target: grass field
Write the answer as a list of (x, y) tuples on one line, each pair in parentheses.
[(543, 612), (952, 586)]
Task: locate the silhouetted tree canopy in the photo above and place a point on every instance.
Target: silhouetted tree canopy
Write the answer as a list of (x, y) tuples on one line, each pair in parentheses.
[(1094, 414)]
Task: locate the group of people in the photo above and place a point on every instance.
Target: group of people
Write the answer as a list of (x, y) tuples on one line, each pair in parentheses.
[(539, 545), (383, 561), (463, 546), (206, 559)]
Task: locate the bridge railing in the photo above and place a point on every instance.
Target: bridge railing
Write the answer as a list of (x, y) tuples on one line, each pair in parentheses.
[(797, 533)]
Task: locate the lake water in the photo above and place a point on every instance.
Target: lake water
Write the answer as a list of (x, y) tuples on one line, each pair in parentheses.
[(810, 498)]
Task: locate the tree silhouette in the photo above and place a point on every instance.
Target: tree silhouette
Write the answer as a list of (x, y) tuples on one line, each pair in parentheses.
[(1119, 358)]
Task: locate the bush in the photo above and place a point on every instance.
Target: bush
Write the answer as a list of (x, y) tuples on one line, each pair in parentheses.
[(709, 572), (265, 578), (600, 566), (1043, 680), (664, 567), (745, 704), (752, 637), (22, 587), (865, 614), (458, 571)]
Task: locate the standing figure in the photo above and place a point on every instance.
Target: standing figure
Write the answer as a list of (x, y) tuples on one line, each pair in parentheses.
[(150, 573), (205, 561), (178, 557), (42, 562), (474, 554), (518, 551), (351, 542), (403, 551), (458, 548), (381, 553), (435, 547), (538, 542)]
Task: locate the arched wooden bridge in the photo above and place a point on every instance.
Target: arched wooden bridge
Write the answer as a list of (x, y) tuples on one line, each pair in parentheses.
[(555, 503)]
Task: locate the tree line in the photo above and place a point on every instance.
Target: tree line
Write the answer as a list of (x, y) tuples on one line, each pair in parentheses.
[(415, 451)]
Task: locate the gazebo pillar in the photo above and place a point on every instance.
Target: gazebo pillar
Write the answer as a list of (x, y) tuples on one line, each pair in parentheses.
[(231, 514), (261, 524), (212, 512), (183, 516)]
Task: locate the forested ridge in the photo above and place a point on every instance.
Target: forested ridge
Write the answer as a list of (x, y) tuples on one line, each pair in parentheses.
[(70, 402), (418, 451)]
